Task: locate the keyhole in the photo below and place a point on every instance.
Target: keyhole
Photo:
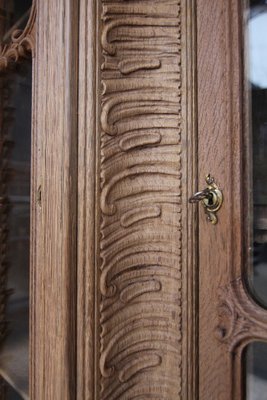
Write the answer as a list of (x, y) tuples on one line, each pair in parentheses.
[(210, 200)]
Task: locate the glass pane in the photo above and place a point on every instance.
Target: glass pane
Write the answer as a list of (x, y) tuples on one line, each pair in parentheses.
[(7, 392), (256, 369), (15, 142), (257, 105)]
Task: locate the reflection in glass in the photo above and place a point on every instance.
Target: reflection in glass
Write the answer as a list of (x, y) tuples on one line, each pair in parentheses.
[(257, 70), (14, 15), (8, 393), (256, 370), (15, 172), (256, 57), (15, 142)]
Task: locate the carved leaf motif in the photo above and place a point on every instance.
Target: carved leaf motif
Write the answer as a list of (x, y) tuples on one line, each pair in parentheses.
[(140, 244), (240, 319), (231, 321)]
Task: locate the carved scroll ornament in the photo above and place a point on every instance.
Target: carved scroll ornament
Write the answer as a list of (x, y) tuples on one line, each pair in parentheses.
[(240, 319), (21, 44), (140, 201)]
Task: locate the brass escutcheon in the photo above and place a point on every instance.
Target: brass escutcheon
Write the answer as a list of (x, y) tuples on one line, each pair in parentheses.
[(211, 198)]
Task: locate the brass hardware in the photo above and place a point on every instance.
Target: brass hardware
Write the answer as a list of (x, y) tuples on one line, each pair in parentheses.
[(211, 199)]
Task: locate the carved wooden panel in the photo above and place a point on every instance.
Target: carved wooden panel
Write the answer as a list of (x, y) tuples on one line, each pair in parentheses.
[(134, 136), (136, 231), (140, 200)]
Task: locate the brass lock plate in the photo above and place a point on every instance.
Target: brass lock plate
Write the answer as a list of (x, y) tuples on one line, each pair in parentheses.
[(211, 198)]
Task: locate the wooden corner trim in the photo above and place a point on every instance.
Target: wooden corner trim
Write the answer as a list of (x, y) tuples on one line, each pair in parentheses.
[(241, 320)]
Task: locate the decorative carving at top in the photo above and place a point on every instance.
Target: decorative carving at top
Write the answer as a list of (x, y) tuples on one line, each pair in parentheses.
[(240, 318), (22, 42), (233, 324), (140, 201)]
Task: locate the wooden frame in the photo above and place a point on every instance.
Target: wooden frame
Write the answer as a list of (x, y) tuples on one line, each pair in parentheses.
[(114, 284), (153, 290), (53, 193), (137, 245), (54, 188), (229, 317)]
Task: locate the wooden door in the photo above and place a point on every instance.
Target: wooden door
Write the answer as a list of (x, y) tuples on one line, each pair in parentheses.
[(112, 286), (134, 293), (229, 316)]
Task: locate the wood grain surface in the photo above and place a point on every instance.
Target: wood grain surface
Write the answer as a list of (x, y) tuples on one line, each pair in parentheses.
[(114, 243), (219, 131), (133, 164), (88, 178), (54, 188), (229, 318), (140, 257)]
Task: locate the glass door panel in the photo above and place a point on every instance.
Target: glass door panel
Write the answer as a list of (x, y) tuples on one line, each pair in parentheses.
[(15, 176), (256, 370), (256, 106), (15, 225), (256, 54)]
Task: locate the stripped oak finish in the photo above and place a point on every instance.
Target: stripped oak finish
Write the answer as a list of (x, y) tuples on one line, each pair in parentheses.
[(135, 267), (229, 318)]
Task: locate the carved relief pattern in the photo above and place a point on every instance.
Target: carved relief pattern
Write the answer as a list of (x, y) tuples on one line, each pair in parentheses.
[(240, 319), (140, 201), (233, 323)]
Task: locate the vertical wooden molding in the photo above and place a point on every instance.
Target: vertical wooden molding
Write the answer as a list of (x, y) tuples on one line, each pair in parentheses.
[(190, 223), (87, 367), (54, 200), (227, 317), (135, 149)]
